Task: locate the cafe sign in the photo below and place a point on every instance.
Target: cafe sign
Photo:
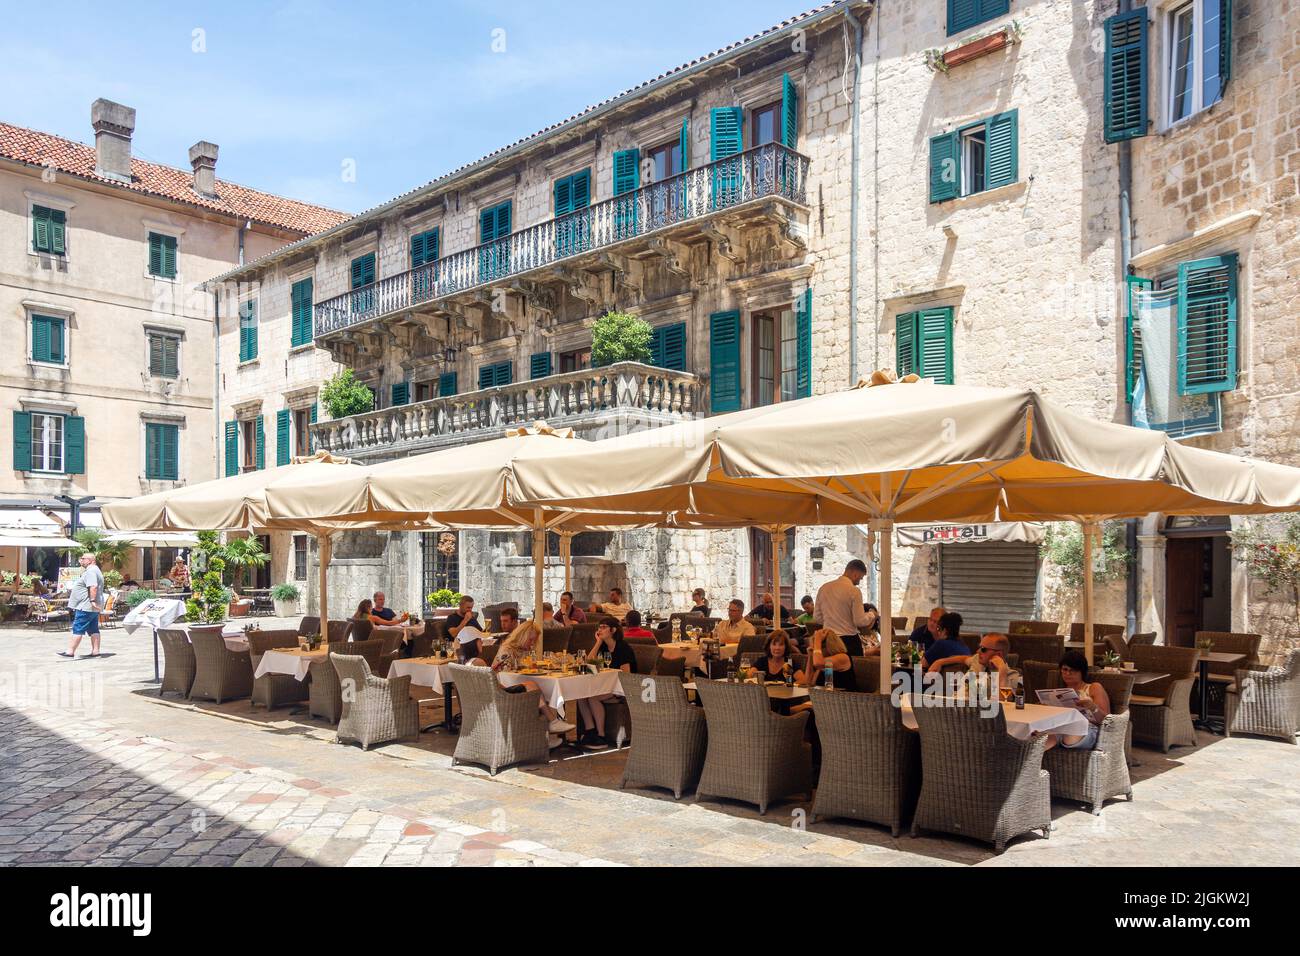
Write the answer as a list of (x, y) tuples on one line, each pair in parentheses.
[(914, 536)]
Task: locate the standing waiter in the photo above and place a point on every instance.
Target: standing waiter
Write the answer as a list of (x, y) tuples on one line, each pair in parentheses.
[(839, 607)]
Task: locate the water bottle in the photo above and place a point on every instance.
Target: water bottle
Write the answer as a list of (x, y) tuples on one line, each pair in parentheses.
[(828, 677)]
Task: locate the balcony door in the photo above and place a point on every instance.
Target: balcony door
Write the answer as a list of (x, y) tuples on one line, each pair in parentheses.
[(775, 355), (760, 567)]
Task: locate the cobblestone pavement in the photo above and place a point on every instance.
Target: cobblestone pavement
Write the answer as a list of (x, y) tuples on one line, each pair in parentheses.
[(96, 770)]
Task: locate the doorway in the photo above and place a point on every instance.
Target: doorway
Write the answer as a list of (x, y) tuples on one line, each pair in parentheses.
[(1198, 579), (760, 568)]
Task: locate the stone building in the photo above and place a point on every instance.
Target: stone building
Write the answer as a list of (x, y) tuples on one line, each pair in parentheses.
[(960, 189), (107, 384)]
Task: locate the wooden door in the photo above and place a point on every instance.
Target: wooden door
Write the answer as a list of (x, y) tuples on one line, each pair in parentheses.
[(1184, 590)]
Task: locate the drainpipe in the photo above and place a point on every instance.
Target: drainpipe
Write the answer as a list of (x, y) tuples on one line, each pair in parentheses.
[(216, 380), (853, 196), (1125, 158)]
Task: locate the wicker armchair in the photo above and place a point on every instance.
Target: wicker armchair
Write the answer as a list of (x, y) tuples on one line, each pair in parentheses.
[(979, 781), (1033, 628), (273, 690), (754, 644), (360, 631), (498, 729), (324, 692), (670, 666), (671, 735), (1093, 776), (900, 625), (492, 613), (1162, 713), (339, 631), (1118, 644), (647, 657), (1039, 675), (582, 638), (1119, 688), (555, 640), (390, 639), (1141, 639), (753, 754), (1266, 701), (1037, 647), (866, 672), (382, 710), (220, 674), (178, 662), (871, 763), (310, 624)]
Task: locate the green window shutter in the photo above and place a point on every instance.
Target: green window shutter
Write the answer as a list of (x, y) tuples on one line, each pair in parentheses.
[(724, 362), (400, 394), (74, 445), (22, 441), (905, 344), (58, 231), (494, 223), (1132, 338), (363, 270), (933, 350), (161, 454), (47, 339), (1207, 325), (424, 248), (311, 441), (301, 312), (627, 171), (259, 449), (945, 167), (171, 357), (581, 189), (1001, 150), (43, 229), (169, 257), (162, 255), (170, 452), (668, 346), (283, 449), (726, 132), (155, 254), (563, 196), (803, 344), (685, 143), (248, 330), (490, 376), (539, 366), (964, 14), (151, 451), (447, 384), (789, 112), (232, 448), (1125, 99), (1225, 45)]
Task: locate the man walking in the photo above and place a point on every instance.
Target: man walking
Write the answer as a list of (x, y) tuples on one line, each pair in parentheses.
[(84, 603), (839, 607)]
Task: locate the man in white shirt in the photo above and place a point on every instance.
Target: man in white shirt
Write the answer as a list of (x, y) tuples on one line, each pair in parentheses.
[(735, 626), (615, 607), (838, 607)]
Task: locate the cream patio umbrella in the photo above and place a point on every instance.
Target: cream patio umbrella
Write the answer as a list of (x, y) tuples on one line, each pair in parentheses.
[(910, 450)]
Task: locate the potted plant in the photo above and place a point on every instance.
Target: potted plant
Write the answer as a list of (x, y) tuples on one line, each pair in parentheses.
[(443, 599), (137, 596), (113, 578), (620, 337), (241, 554), (285, 596), (1110, 661), (26, 583), (208, 604)]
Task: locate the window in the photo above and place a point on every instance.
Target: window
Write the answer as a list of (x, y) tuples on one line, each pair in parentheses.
[(774, 343), (666, 160), (399, 394), (301, 431), (439, 561), (1198, 46), (160, 452), (162, 255), (49, 230), (424, 248), (572, 229), (923, 344), (248, 330), (300, 309), (964, 14), (575, 360), (47, 442), (493, 236), (975, 158), (490, 376), (765, 124), (48, 340), (447, 384), (362, 274), (300, 557), (283, 436), (253, 438), (164, 355), (1206, 303)]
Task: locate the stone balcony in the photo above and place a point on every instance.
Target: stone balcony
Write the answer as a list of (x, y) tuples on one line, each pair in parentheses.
[(597, 403), (657, 223)]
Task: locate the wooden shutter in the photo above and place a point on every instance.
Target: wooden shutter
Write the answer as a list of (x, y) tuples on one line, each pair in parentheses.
[(668, 346), (259, 448), (447, 384), (155, 254), (1001, 149), (424, 248), (301, 312), (401, 393), (169, 256), (933, 350), (161, 453), (964, 14), (58, 230), (581, 189), (563, 196), (627, 171), (1125, 97), (171, 452), (1225, 45), (363, 270), (945, 167), (283, 448), (42, 240), (248, 331), (490, 376), (789, 112), (47, 339), (905, 344), (726, 132), (685, 143), (803, 344), (1132, 338), (311, 441), (724, 362), (164, 356), (74, 445), (539, 366), (232, 448), (22, 441), (487, 225), (1207, 325)]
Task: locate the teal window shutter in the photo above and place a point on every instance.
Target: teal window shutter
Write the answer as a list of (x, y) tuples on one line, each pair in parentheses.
[(164, 356), (424, 248), (789, 112), (945, 167), (490, 376), (48, 227), (311, 441), (494, 225), (401, 393), (726, 132), (964, 14), (1001, 150), (169, 257), (627, 171), (572, 194), (1125, 79), (232, 448), (668, 346), (539, 366), (155, 254), (803, 344), (1207, 325), (363, 270), (685, 143), (905, 344), (22, 441), (74, 445), (300, 299), (162, 255), (260, 447), (933, 337), (447, 384), (47, 339), (724, 362), (1225, 45), (248, 330), (161, 452), (283, 448), (1132, 337)]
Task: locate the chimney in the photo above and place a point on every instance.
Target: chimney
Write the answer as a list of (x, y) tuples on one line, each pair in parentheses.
[(203, 157), (113, 124)]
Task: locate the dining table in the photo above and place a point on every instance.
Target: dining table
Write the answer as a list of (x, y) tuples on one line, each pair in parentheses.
[(557, 687), (690, 650), (1022, 723), (292, 661), (1203, 718), (430, 672)]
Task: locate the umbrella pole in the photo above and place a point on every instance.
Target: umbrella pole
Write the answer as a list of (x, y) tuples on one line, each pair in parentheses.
[(884, 528), (1089, 536), (566, 554), (323, 553), (539, 568)]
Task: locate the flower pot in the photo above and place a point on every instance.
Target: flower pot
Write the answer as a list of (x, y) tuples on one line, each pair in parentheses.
[(239, 610), (285, 608), (205, 629), (975, 49)]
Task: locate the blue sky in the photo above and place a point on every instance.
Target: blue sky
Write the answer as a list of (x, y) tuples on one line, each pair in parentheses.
[(291, 90)]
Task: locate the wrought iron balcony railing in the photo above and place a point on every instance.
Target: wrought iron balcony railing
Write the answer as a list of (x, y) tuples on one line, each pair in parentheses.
[(570, 398), (766, 171)]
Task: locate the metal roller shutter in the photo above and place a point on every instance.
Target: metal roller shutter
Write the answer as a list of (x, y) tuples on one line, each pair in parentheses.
[(990, 583)]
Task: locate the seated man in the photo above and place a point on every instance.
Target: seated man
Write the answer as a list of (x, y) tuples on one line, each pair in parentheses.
[(735, 626), (926, 634), (548, 615), (616, 606), (382, 616), (806, 602), (767, 610), (632, 627), (465, 618), (509, 620), (990, 658), (570, 613)]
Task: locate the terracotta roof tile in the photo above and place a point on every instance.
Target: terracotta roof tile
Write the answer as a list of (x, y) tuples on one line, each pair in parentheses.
[(77, 159)]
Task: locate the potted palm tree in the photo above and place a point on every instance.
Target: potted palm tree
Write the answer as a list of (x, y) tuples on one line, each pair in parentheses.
[(241, 554), (285, 596)]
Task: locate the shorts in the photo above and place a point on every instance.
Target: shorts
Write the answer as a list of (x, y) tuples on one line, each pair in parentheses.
[(1088, 742), (85, 622)]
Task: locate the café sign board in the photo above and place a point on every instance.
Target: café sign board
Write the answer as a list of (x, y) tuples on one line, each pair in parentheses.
[(1014, 531)]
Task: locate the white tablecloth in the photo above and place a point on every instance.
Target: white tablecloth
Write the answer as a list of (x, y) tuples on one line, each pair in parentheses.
[(691, 651), (292, 662), (1022, 723), (425, 671), (153, 614), (556, 690)]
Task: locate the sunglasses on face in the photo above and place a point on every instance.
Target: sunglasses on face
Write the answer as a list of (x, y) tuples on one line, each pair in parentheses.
[(988, 650)]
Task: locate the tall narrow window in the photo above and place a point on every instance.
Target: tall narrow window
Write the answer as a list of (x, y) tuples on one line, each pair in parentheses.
[(161, 452), (765, 124), (164, 355), (47, 442), (1198, 59), (300, 557), (301, 431), (775, 356)]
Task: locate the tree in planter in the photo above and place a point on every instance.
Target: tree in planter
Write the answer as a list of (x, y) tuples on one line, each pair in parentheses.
[(210, 601), (109, 555), (343, 395), (137, 596), (241, 554), (1063, 546), (620, 337)]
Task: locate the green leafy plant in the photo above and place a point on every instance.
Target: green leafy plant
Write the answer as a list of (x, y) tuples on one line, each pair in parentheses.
[(620, 337), (242, 554), (285, 592), (113, 578), (138, 596), (444, 597), (1063, 546), (8, 577), (108, 554), (343, 395), (210, 600), (1271, 553), (26, 581)]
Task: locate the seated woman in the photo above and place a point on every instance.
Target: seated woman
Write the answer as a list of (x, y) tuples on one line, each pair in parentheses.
[(179, 574), (826, 649), (1093, 701), (780, 652), (523, 640), (609, 637), (947, 648), (700, 603), (363, 610)]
